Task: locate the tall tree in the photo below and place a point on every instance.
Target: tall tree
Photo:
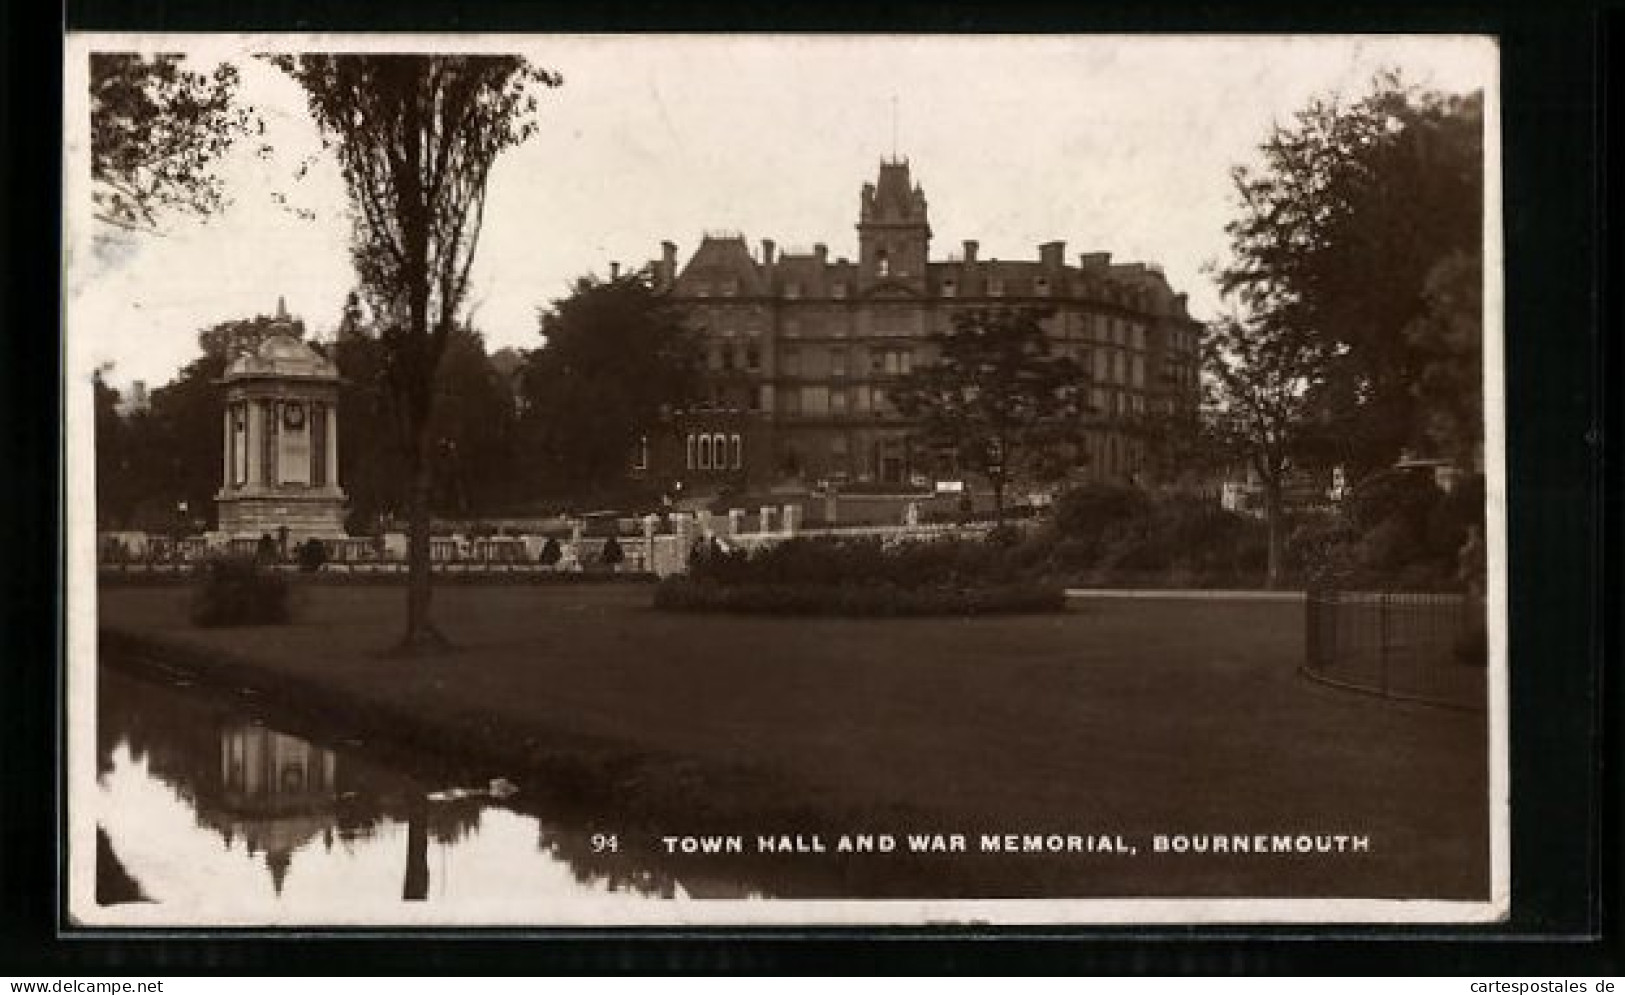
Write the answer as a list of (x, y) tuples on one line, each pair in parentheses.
[(156, 132), (616, 358), (1341, 230), (416, 137), (1261, 389), (997, 393)]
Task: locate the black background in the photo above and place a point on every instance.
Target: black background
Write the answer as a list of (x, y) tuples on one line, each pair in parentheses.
[(1561, 109)]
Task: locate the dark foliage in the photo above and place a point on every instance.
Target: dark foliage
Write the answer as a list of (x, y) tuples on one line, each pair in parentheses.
[(879, 599), (238, 590), (312, 554), (551, 553)]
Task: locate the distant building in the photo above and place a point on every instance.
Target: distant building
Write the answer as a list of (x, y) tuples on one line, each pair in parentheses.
[(802, 348), (135, 399)]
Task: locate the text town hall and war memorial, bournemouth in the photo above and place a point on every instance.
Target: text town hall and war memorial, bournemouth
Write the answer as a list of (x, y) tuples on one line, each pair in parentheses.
[(800, 349)]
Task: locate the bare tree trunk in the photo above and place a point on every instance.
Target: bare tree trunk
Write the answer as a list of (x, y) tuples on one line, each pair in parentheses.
[(1275, 526), (415, 888), (421, 635)]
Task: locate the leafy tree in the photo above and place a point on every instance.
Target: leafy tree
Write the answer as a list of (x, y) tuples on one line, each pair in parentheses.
[(156, 132), (996, 393), (115, 497), (616, 358), (1261, 390), (1342, 233), (416, 137)]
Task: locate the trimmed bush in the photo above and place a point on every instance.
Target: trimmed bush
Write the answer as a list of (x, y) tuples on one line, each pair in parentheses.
[(237, 590), (551, 553), (869, 599)]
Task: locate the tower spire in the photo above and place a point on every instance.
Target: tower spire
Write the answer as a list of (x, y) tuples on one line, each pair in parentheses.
[(281, 308), (894, 127)]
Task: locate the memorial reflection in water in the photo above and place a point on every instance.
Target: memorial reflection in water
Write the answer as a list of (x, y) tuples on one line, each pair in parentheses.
[(209, 812)]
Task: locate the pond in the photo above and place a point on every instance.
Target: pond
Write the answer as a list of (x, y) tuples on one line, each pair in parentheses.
[(209, 811)]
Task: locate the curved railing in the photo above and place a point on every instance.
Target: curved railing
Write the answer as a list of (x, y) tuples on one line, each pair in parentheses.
[(1427, 647)]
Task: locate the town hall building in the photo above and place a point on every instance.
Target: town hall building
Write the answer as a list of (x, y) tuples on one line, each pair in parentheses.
[(801, 349)]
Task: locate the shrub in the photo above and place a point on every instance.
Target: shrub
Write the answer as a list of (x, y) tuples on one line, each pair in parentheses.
[(876, 599), (237, 590), (1086, 512), (312, 554)]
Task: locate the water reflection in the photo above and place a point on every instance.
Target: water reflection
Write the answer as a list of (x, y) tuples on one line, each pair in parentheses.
[(209, 811)]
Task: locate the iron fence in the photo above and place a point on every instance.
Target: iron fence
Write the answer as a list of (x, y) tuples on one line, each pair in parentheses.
[(1428, 647)]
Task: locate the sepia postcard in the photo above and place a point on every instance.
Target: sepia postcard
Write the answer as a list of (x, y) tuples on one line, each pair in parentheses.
[(783, 480)]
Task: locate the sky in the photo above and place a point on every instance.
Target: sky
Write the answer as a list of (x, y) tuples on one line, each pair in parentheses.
[(1110, 143)]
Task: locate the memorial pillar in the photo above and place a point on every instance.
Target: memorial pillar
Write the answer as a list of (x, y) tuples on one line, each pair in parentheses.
[(332, 420), (256, 445)]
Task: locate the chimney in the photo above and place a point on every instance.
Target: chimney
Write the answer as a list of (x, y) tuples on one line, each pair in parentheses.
[(1052, 255), (1095, 260), (970, 250), (614, 270), (668, 263), (767, 252), (821, 252)]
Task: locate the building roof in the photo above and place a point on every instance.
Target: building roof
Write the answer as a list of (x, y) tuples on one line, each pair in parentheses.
[(282, 355)]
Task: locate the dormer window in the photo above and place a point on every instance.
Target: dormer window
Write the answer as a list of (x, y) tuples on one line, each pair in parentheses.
[(995, 286), (1042, 287), (730, 287), (949, 288)]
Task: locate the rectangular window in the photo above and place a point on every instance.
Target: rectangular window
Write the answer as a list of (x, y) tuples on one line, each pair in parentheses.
[(792, 362), (839, 290), (905, 361), (891, 358), (995, 286), (837, 362), (815, 400), (1138, 370), (640, 460), (877, 361), (690, 463), (738, 446), (949, 288), (728, 358), (1117, 366), (837, 401), (1042, 287), (792, 327), (792, 290), (860, 401), (1139, 336), (1102, 367)]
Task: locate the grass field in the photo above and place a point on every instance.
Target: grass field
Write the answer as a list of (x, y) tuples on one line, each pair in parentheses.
[(1133, 717)]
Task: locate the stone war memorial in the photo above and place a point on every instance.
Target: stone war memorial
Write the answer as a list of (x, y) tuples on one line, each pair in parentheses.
[(281, 459)]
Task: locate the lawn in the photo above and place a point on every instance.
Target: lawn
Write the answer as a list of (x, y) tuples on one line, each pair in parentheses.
[(1132, 717)]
